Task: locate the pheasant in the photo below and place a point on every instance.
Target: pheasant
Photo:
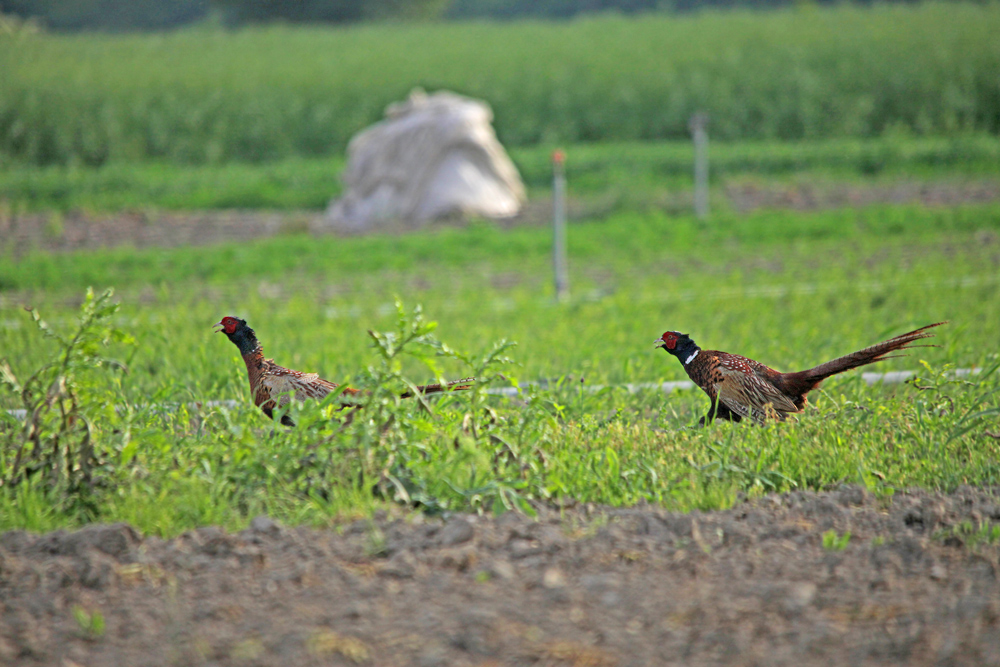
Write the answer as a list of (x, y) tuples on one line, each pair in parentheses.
[(272, 385), (741, 387)]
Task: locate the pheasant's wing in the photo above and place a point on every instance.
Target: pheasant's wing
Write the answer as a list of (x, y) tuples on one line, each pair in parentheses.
[(283, 382), (744, 391)]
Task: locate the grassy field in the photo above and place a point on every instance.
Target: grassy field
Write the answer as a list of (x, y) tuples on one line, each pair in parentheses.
[(790, 289), (118, 424), (212, 96), (625, 175)]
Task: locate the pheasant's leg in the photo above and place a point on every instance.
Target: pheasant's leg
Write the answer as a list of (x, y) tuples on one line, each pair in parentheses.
[(710, 415), (727, 414), (719, 411), (285, 419)]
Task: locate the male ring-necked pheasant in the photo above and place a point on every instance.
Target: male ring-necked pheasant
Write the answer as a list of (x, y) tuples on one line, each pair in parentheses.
[(271, 384), (741, 387)]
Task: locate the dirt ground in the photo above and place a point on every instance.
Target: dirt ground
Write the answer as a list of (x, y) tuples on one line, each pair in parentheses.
[(584, 586)]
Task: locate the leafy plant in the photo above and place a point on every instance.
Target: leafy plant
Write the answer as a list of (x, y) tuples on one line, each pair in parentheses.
[(90, 624), (969, 534), (390, 434), (834, 542), (56, 439)]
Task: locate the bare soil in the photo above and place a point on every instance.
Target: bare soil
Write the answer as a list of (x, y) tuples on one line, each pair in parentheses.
[(747, 196), (584, 586)]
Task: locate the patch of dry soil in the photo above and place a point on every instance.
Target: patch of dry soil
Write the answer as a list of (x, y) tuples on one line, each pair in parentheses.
[(746, 196), (585, 586)]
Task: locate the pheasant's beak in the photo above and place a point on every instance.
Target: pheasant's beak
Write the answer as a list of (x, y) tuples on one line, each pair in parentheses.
[(218, 324), (660, 343)]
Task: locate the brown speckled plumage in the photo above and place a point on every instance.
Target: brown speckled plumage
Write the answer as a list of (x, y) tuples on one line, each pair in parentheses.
[(743, 388), (275, 386)]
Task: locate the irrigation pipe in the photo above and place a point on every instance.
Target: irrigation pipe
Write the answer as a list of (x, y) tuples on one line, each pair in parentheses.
[(891, 377)]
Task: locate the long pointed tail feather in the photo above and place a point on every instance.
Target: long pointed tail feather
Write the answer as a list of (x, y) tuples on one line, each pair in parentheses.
[(869, 355), (457, 385)]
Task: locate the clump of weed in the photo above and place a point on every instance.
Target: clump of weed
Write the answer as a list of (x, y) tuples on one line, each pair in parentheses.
[(54, 442), (834, 542), (970, 535), (90, 624)]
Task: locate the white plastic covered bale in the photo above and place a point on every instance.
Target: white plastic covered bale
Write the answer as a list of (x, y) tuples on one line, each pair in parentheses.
[(434, 156)]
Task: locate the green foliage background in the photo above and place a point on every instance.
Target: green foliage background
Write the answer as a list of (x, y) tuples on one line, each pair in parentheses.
[(209, 96)]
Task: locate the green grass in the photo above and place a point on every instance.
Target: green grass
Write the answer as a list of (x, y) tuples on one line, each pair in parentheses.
[(264, 94), (972, 536), (143, 186), (640, 243), (626, 175), (789, 289)]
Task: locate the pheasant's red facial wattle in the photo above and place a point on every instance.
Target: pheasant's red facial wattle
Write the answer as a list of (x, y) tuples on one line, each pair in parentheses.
[(670, 340), (228, 324)]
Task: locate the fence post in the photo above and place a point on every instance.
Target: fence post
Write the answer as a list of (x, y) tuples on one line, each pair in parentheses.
[(559, 265), (699, 131)]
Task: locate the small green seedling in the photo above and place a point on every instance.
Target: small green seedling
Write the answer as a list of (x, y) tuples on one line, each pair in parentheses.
[(91, 624), (969, 535), (834, 542)]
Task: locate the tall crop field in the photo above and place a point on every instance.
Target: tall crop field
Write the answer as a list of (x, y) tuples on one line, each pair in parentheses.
[(209, 96)]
